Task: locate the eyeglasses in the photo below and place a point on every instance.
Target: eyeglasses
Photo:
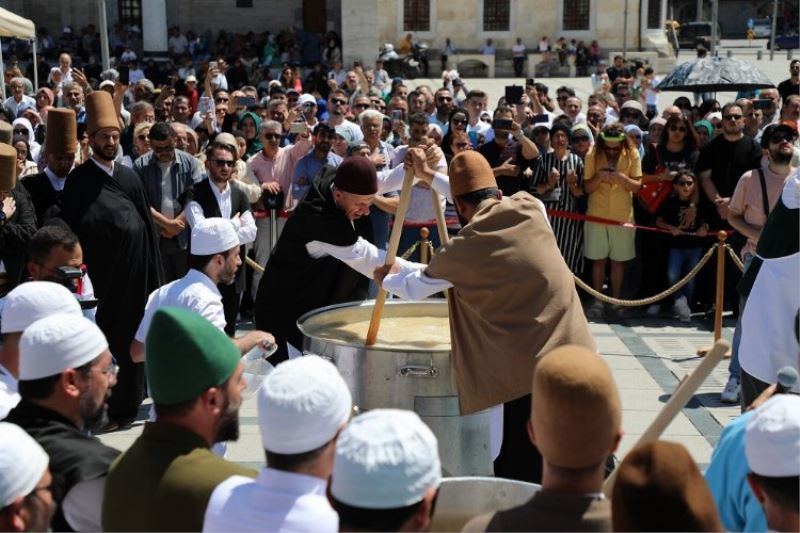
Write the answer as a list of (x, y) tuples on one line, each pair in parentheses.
[(224, 163), (445, 98), (272, 136), (338, 101), (684, 183), (459, 121), (732, 117), (111, 370), (220, 100), (681, 129)]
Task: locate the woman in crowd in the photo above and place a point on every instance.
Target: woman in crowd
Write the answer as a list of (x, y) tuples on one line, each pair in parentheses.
[(704, 130), (24, 128), (249, 123), (141, 143), (457, 122), (558, 182), (582, 140), (25, 163), (676, 151)]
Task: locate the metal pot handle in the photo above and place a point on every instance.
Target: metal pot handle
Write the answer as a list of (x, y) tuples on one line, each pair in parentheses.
[(419, 371)]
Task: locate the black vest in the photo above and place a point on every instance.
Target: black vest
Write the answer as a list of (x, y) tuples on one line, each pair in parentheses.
[(75, 456), (201, 193)]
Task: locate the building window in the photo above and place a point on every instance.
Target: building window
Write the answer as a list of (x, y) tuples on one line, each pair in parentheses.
[(416, 15), (653, 14), (130, 13), (244, 3), (576, 15), (496, 15)]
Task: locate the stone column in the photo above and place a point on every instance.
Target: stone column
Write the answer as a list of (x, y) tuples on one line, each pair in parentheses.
[(154, 28), (359, 31)]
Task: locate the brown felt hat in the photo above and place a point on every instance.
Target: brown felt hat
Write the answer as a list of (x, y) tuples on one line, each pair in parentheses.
[(62, 132), (659, 488), (6, 132), (576, 411), (8, 167), (470, 171), (100, 112), (356, 175)]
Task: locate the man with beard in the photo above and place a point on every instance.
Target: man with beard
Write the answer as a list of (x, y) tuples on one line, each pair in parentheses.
[(22, 307), (65, 377), (46, 187), (214, 261), (444, 106), (106, 206), (216, 197), (165, 479), (310, 165)]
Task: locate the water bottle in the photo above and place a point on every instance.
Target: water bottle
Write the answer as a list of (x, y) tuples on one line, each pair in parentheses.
[(256, 368)]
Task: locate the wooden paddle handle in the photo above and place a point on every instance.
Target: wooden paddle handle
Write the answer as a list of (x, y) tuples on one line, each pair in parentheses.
[(441, 223), (680, 397), (391, 254)]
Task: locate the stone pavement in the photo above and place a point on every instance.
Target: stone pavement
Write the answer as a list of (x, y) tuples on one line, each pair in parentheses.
[(648, 357)]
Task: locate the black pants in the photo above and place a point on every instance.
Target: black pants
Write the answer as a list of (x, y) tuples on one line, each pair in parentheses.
[(519, 459), (518, 64), (230, 304), (751, 388), (174, 259)]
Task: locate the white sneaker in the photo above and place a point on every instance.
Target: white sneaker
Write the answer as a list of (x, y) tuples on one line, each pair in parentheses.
[(731, 392), (682, 309), (653, 310)]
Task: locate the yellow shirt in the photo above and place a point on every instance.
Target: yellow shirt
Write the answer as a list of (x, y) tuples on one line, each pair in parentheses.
[(611, 200)]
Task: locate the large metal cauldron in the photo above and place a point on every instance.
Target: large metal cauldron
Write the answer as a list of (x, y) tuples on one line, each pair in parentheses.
[(417, 380)]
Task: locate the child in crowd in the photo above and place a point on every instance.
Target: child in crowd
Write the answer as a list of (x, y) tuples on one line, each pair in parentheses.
[(685, 249)]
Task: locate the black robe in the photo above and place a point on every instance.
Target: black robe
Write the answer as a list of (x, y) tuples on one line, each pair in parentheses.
[(14, 237), (295, 283), (111, 216), (46, 200)]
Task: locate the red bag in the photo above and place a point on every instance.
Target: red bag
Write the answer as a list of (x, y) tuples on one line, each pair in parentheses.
[(653, 194)]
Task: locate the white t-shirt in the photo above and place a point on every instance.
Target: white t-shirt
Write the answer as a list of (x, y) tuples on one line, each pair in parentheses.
[(518, 50), (194, 291)]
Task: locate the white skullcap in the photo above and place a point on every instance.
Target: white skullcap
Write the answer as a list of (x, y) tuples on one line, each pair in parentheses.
[(385, 458), (33, 301), (772, 438), (301, 405), (51, 345), (306, 98), (22, 463), (213, 236)]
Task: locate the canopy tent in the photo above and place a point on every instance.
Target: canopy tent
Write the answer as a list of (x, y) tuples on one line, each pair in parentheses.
[(12, 25)]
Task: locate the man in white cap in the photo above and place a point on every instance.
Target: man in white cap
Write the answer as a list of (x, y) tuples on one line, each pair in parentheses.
[(214, 260), (26, 500), (65, 375), (302, 406), (772, 446), (386, 473), (23, 306)]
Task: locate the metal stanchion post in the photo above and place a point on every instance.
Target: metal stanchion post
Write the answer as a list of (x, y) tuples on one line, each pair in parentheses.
[(719, 302), (273, 228), (424, 249)]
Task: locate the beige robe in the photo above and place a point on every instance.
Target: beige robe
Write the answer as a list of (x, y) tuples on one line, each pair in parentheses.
[(513, 299)]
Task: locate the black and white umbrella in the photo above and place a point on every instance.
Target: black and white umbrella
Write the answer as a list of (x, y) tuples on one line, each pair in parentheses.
[(713, 74)]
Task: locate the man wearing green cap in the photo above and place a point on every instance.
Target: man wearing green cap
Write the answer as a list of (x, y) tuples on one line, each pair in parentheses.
[(165, 479)]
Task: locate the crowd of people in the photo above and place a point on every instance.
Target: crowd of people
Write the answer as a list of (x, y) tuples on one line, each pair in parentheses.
[(132, 199)]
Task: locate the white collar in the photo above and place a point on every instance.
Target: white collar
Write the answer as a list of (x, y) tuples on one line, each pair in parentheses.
[(103, 167), (291, 481), (196, 276), (55, 181), (224, 192)]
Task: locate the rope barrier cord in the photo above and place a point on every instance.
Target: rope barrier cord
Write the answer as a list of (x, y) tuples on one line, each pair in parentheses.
[(652, 299), (734, 257)]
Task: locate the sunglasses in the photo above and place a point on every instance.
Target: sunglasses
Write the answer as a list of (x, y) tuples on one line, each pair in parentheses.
[(562, 98), (580, 139), (684, 183), (338, 101), (272, 136), (631, 114), (677, 128), (142, 137), (777, 138), (21, 130), (362, 106), (445, 99), (459, 121), (224, 163), (220, 100), (732, 117)]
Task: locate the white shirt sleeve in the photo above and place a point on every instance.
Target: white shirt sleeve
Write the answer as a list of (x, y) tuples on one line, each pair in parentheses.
[(83, 505), (214, 312), (392, 180), (363, 256), (245, 227), (411, 283), (194, 214), (144, 325)]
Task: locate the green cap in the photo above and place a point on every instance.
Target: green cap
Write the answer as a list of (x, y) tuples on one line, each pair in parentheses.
[(186, 355)]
